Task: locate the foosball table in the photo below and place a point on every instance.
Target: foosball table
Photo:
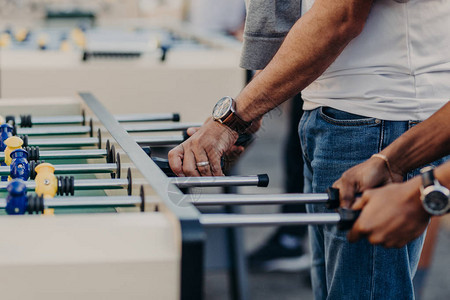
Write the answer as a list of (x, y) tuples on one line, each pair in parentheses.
[(91, 212)]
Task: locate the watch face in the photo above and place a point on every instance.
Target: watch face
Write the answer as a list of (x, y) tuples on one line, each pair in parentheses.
[(436, 201), (222, 108)]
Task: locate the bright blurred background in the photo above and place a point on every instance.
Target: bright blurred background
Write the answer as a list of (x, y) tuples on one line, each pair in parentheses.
[(159, 56)]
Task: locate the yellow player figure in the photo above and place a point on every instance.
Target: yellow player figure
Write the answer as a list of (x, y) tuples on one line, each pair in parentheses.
[(49, 212), (65, 46), (12, 144), (5, 40), (46, 182), (42, 41), (78, 38), (21, 34), (2, 120)]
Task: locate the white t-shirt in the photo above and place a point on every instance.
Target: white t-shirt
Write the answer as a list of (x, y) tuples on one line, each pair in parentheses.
[(398, 68)]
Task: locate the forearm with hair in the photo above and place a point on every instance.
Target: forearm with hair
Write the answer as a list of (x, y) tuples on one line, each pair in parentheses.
[(422, 144), (310, 47)]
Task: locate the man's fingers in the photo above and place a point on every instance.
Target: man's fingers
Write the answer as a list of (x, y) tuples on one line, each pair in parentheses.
[(189, 164), (346, 193), (355, 233), (235, 152), (176, 160), (203, 164), (215, 162), (191, 130), (361, 201)]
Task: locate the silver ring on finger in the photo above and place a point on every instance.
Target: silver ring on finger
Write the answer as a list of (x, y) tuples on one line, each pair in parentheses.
[(202, 164)]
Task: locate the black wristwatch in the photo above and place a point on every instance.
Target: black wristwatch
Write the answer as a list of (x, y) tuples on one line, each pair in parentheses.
[(435, 197), (224, 112)]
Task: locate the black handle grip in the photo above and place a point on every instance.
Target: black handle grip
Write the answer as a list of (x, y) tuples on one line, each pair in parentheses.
[(263, 180), (163, 164), (348, 218), (176, 117), (333, 198)]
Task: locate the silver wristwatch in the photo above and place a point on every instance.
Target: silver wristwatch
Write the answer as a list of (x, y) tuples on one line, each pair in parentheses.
[(224, 112), (435, 197)]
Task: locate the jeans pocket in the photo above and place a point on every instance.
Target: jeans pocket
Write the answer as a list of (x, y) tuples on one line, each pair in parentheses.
[(342, 118)]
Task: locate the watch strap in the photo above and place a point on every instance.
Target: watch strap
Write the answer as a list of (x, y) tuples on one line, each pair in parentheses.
[(236, 123), (427, 176)]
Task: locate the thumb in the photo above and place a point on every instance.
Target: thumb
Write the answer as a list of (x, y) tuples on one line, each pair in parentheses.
[(360, 202), (190, 131), (347, 196)]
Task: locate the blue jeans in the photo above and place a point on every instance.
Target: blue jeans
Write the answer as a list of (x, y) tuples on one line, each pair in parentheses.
[(332, 142)]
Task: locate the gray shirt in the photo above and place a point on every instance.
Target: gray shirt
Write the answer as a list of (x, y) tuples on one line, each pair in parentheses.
[(266, 26)]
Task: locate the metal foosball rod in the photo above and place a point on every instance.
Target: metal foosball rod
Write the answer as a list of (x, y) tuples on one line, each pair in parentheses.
[(63, 142), (344, 219), (163, 140), (96, 184), (48, 184), (260, 199), (71, 169), (76, 130), (330, 198), (261, 180), (88, 202), (29, 120), (18, 202), (167, 140), (65, 154), (160, 127), (185, 182), (63, 130), (95, 141), (83, 184), (159, 140), (34, 154)]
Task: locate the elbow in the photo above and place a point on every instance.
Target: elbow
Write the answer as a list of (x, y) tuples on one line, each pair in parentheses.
[(348, 20), (344, 20), (350, 27)]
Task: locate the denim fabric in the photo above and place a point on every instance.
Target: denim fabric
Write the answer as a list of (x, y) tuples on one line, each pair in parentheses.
[(332, 142)]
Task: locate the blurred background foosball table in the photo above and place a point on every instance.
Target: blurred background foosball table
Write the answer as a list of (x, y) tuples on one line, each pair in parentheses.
[(121, 51)]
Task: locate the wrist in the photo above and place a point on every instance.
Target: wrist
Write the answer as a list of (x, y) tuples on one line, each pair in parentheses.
[(413, 187), (252, 104), (391, 175), (223, 127), (243, 113), (395, 165)]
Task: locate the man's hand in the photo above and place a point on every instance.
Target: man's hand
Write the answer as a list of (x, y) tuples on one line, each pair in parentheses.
[(391, 215), (207, 144), (369, 174)]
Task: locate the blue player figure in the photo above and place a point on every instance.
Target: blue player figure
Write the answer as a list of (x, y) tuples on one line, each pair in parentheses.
[(5, 133), (17, 200), (20, 169)]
